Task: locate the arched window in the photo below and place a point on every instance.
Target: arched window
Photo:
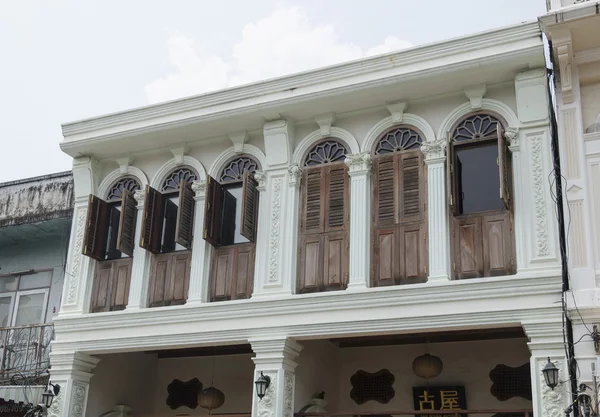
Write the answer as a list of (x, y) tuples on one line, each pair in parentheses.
[(323, 237), (399, 217), (116, 191), (230, 225), (178, 176), (479, 186)]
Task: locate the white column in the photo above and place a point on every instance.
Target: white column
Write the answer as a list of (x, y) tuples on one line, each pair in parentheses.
[(512, 135), (201, 249), (438, 236), (72, 372), (140, 266), (275, 359), (359, 169)]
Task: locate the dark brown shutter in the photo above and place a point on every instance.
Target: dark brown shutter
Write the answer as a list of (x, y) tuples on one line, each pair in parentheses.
[(126, 235), (96, 229), (213, 212), (312, 201), (336, 194), (249, 207), (185, 216), (503, 167), (152, 223), (121, 277), (411, 184), (232, 276), (385, 198), (450, 179)]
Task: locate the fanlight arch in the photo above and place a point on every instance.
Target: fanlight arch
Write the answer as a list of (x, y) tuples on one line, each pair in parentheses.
[(177, 176), (234, 170), (326, 152), (115, 192), (398, 139)]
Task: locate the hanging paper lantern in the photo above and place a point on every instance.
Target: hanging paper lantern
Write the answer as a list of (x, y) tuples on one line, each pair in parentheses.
[(427, 366), (211, 398)]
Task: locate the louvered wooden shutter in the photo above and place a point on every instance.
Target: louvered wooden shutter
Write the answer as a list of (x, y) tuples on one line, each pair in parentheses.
[(151, 234), (185, 216), (96, 229), (412, 185), (250, 197), (212, 212), (336, 195), (503, 167), (450, 179), (126, 235), (312, 200), (384, 190)]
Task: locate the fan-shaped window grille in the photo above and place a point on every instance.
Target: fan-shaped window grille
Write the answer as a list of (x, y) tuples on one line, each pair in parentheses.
[(174, 179), (234, 171), (325, 153), (476, 127), (116, 191), (397, 140)]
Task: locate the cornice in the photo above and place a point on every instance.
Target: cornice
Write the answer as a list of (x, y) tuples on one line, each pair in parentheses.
[(279, 90), (570, 13)]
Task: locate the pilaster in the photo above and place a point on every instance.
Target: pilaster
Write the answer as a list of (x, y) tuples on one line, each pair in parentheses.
[(438, 236), (275, 359), (200, 264), (72, 372), (140, 266), (359, 169)]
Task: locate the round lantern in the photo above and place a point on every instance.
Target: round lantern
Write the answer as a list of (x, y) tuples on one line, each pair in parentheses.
[(211, 398), (427, 366)]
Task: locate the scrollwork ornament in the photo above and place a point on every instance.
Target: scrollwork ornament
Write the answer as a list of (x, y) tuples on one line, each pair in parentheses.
[(77, 401), (552, 399), (434, 150), (76, 260), (360, 162), (266, 406), (139, 196), (288, 397), (275, 226), (55, 409), (199, 187)]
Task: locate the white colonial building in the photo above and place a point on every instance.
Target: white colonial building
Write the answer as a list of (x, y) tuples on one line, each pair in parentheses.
[(573, 28), (323, 229)]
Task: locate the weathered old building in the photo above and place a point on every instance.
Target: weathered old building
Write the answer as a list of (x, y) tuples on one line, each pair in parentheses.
[(35, 223)]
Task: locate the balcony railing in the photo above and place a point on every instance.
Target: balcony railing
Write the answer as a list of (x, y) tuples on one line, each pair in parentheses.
[(25, 354)]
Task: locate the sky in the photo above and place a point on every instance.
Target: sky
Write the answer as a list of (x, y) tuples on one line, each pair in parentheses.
[(66, 60)]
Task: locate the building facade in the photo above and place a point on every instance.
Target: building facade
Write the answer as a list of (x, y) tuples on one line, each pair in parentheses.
[(35, 223), (323, 230), (573, 28)]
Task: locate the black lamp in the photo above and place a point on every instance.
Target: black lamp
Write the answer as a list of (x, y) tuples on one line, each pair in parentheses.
[(262, 384), (49, 394), (550, 374)]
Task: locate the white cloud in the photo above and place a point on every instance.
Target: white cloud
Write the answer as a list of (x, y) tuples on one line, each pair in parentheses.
[(282, 43)]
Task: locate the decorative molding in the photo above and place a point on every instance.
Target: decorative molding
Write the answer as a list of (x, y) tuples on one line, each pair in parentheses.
[(55, 409), (309, 140), (397, 111), (266, 406), (566, 80), (511, 134), (239, 139), (539, 200), (76, 259), (587, 56), (578, 248), (139, 196), (219, 163), (288, 399), (295, 174), (408, 119), (179, 154), (114, 176), (552, 399), (275, 229), (358, 163), (475, 96), (78, 397), (434, 150), (325, 121), (123, 164), (199, 188), (261, 178)]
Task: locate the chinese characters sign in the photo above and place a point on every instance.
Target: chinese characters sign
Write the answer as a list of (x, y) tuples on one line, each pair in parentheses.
[(439, 398)]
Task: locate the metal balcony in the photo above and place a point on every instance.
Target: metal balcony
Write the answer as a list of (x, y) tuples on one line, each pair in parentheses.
[(25, 354)]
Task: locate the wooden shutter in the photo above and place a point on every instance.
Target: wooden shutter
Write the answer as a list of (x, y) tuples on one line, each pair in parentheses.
[(498, 249), (312, 201), (169, 279), (126, 235), (468, 247), (336, 195), (96, 229), (384, 190), (450, 172), (185, 216), (213, 212), (101, 288), (503, 167), (412, 184), (110, 291), (250, 196), (152, 223), (232, 275)]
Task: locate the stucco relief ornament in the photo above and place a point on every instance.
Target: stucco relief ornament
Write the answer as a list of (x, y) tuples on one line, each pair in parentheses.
[(434, 150), (199, 187), (266, 406), (275, 226), (358, 162), (139, 196), (541, 223), (56, 407), (76, 260), (261, 178), (77, 401), (552, 400), (512, 135), (288, 397), (295, 173)]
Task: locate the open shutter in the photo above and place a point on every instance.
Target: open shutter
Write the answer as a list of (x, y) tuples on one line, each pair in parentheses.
[(385, 207), (213, 212), (336, 193), (450, 172), (152, 223), (126, 235), (249, 207), (312, 201), (96, 228), (411, 173), (503, 167), (185, 216)]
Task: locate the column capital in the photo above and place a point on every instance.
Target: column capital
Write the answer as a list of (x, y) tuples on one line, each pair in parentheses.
[(261, 178), (295, 173), (359, 163), (511, 134), (139, 196), (434, 151), (65, 365), (275, 352), (199, 188)]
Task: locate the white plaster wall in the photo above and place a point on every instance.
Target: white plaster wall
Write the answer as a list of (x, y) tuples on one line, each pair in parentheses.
[(465, 363), (318, 370), (123, 378), (590, 104)]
